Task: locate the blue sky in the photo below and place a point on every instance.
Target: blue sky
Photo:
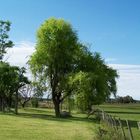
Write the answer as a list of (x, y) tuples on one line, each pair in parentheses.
[(112, 27)]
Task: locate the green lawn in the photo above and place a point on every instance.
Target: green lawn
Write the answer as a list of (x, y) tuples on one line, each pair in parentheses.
[(40, 124), (125, 112)]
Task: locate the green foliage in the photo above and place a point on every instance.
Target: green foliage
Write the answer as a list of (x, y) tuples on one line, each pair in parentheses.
[(55, 47), (11, 80), (4, 38), (83, 84), (8, 78), (94, 83)]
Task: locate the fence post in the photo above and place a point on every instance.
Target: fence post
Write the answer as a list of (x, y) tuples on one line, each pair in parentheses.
[(115, 124), (129, 130), (111, 119), (103, 115), (138, 125), (123, 133), (108, 119)]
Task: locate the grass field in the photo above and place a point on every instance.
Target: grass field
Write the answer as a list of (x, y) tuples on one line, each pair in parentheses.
[(40, 124), (125, 112)]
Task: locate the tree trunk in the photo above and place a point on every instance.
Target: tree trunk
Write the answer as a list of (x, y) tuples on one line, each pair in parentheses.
[(55, 95), (16, 103), (23, 104), (0, 103), (9, 102), (57, 108), (3, 104), (69, 105), (61, 106)]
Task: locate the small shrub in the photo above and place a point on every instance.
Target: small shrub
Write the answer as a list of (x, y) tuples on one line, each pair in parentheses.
[(108, 133), (97, 115)]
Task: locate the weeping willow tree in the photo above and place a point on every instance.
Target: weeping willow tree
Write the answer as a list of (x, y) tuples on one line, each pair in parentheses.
[(67, 66)]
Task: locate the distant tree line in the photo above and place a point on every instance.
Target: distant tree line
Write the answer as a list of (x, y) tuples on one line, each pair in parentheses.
[(122, 99)]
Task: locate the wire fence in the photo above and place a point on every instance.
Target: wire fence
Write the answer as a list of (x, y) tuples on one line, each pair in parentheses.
[(117, 124)]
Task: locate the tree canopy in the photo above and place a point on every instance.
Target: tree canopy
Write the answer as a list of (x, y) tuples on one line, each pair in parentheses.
[(4, 37), (11, 80)]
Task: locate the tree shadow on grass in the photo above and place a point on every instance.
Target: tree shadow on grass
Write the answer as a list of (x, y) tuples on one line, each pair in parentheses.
[(38, 110), (51, 117)]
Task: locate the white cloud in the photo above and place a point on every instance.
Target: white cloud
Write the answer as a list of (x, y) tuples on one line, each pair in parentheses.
[(19, 54), (129, 80)]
